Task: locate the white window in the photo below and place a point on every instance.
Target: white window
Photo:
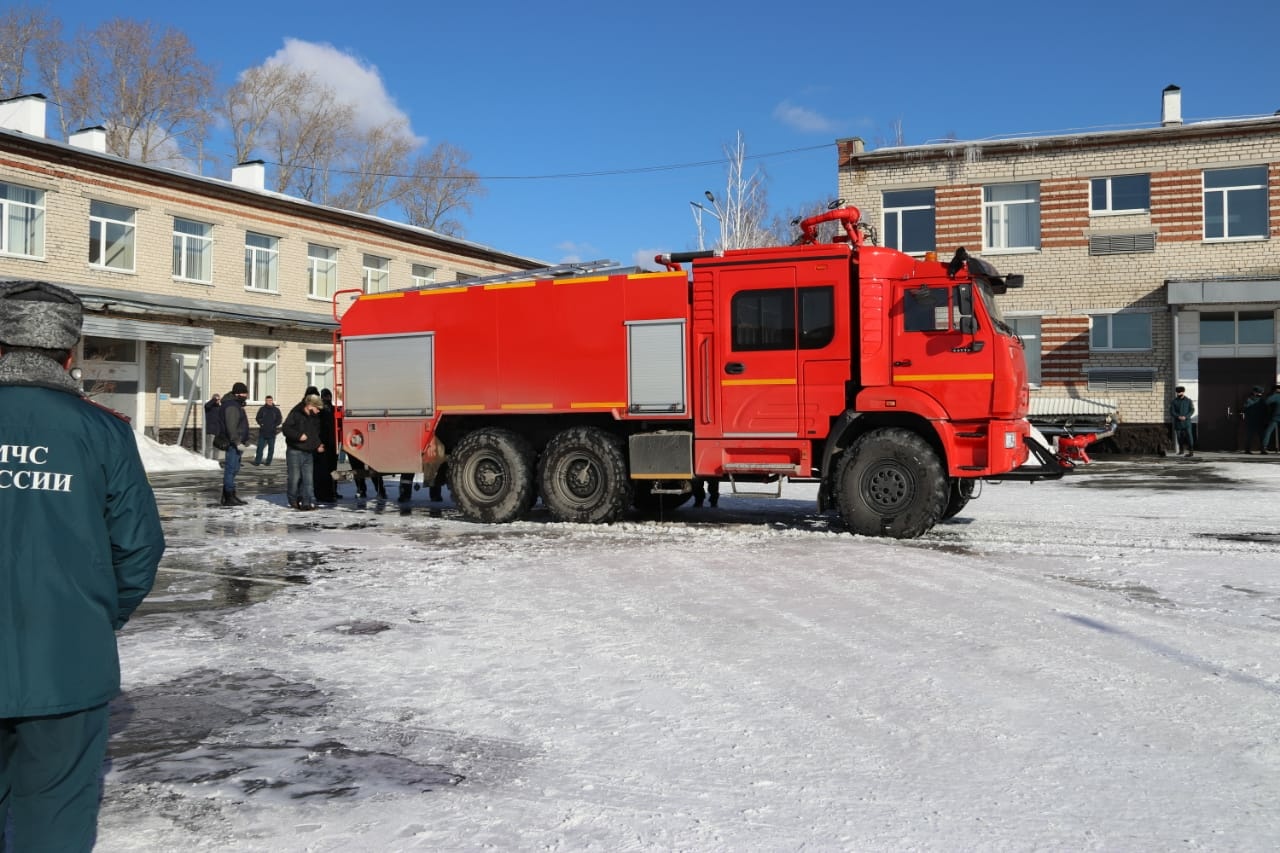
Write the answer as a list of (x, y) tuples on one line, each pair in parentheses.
[(185, 361), (1120, 331), (192, 250), (1120, 194), (322, 271), (1235, 203), (1011, 216), (423, 275), (377, 274), (320, 368), (21, 221), (111, 235), (261, 264), (1028, 328), (909, 221), (260, 372)]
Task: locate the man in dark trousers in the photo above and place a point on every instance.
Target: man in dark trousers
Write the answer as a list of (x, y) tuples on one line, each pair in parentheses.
[(236, 425), (1273, 406), (80, 540), (326, 460), (302, 440), (269, 421), (1180, 411), (1255, 414)]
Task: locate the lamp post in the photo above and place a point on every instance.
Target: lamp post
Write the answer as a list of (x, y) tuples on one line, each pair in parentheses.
[(697, 208)]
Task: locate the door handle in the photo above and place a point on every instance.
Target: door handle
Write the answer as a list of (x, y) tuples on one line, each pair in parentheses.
[(906, 362), (735, 367)]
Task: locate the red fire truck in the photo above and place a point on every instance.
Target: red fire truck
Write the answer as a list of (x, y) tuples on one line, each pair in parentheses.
[(890, 380)]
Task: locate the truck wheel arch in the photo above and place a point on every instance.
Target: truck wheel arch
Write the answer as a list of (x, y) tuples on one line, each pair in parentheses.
[(891, 483)]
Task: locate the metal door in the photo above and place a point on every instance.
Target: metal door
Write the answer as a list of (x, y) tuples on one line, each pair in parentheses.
[(1224, 385)]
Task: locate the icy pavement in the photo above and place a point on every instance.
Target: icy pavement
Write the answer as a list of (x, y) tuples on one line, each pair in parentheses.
[(1087, 665)]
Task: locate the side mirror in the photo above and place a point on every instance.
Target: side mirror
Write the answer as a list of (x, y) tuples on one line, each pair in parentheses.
[(968, 325)]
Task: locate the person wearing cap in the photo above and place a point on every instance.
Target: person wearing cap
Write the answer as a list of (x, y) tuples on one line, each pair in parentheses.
[(1273, 408), (1180, 411), (80, 540), (236, 423), (1255, 415)]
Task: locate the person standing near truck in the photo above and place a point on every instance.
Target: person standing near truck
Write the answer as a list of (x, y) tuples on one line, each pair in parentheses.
[(80, 541)]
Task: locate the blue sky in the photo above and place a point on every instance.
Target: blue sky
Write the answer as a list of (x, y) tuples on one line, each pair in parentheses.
[(532, 90)]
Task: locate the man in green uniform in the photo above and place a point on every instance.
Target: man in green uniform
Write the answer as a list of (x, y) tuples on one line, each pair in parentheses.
[(80, 540)]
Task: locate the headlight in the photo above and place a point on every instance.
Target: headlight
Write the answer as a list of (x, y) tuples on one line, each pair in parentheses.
[(1010, 440)]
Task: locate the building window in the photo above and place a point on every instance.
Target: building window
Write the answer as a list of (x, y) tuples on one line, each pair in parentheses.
[(1237, 328), (111, 235), (322, 271), (1235, 203), (185, 362), (909, 221), (1120, 332), (464, 276), (1120, 194), (423, 275), (260, 372), (261, 263), (320, 368), (21, 221), (1011, 216), (377, 274), (192, 250), (1028, 329)]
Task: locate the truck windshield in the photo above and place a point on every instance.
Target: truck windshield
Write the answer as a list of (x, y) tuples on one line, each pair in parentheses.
[(993, 307)]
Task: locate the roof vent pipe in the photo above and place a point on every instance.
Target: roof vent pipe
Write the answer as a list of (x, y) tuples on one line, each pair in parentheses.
[(1171, 106), (91, 138), (251, 174), (25, 114)]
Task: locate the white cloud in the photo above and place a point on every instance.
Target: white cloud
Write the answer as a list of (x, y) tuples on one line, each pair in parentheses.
[(643, 258), (576, 253), (803, 118), (354, 81)]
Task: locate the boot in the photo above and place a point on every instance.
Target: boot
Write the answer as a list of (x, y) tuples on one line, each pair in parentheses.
[(226, 500), (406, 494), (437, 494), (235, 499)]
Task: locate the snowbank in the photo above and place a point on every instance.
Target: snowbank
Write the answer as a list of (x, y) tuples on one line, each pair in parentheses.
[(157, 457)]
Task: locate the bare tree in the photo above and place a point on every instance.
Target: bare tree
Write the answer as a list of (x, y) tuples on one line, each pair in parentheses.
[(783, 230), (26, 33), (440, 186), (150, 86), (745, 206), (375, 171)]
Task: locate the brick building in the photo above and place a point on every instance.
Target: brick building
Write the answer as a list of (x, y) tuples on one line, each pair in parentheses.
[(193, 283), (1147, 254)]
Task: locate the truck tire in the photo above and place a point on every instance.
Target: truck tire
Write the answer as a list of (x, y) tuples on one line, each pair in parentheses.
[(583, 477), (958, 496), (490, 475), (891, 483), (660, 504)]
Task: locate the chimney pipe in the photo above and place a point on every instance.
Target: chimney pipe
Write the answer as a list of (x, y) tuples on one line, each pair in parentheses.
[(90, 138), (25, 114), (251, 174), (1171, 106)]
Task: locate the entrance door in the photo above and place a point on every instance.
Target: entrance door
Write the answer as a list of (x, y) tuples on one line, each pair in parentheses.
[(1224, 385), (759, 394)]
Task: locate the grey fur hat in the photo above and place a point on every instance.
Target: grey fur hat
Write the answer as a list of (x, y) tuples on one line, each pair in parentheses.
[(39, 314)]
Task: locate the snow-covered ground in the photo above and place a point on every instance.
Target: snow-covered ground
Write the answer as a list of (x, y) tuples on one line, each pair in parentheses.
[(1085, 665)]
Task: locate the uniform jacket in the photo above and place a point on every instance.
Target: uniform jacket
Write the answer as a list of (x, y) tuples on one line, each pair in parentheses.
[(1273, 406), (237, 422), (80, 540), (1181, 406), (299, 423), (269, 419), (1255, 411)]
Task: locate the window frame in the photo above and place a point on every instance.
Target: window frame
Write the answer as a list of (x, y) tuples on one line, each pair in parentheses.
[(368, 272), (1110, 345), (34, 220), (1227, 192), (792, 310), (182, 249), (315, 273), (422, 279), (259, 257), (260, 369), (1034, 374), (100, 225), (317, 377), (898, 213), (1110, 209), (1001, 209)]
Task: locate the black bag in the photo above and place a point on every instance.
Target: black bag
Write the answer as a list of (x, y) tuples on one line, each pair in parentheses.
[(221, 442)]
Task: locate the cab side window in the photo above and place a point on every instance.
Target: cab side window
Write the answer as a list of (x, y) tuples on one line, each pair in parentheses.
[(767, 319), (817, 317)]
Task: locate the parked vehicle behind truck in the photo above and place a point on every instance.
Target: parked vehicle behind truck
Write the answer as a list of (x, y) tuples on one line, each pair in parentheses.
[(891, 380)]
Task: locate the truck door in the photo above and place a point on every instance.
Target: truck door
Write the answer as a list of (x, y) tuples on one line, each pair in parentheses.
[(759, 393), (940, 348)]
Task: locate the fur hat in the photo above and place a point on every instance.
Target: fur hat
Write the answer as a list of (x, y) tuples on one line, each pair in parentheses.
[(39, 314), (239, 388)]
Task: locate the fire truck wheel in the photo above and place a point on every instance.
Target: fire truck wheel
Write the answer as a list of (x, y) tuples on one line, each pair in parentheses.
[(491, 475), (891, 483), (958, 496), (583, 476)]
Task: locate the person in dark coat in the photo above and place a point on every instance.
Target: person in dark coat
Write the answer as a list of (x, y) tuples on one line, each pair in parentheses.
[(1180, 411), (326, 460), (236, 422), (302, 440), (361, 473), (269, 421), (1273, 407), (1255, 414), (80, 540)]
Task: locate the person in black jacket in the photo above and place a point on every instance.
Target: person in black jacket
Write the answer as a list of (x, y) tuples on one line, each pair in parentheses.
[(236, 425), (302, 440), (80, 540), (326, 459), (269, 421)]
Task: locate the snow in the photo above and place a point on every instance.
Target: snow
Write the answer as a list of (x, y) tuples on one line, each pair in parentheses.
[(1092, 664), (158, 457)]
